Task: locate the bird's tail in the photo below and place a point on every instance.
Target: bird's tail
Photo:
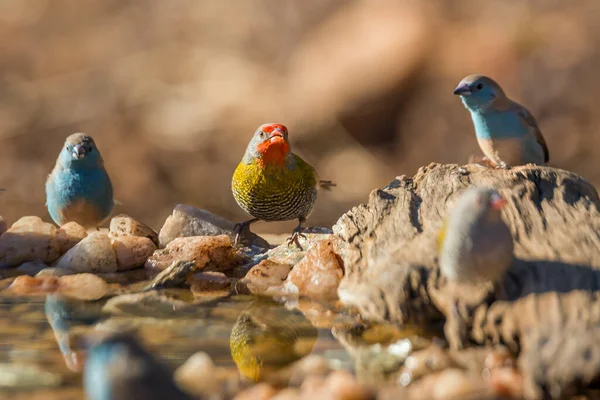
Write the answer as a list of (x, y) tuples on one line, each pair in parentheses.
[(327, 185)]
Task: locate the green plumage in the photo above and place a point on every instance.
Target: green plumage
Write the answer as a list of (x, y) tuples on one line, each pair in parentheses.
[(275, 192)]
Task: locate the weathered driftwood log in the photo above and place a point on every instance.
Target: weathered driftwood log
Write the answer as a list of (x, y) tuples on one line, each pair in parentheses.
[(391, 272)]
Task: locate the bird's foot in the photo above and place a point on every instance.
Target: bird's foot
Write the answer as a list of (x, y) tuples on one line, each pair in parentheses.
[(238, 229), (295, 238), (481, 161), (501, 165)]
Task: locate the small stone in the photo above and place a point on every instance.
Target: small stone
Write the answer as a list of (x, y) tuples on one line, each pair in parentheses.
[(214, 253), (456, 384), (200, 377), (151, 303), (261, 391), (29, 239), (124, 225), (188, 221), (93, 254), (318, 274), (27, 285), (341, 385), (83, 286), (425, 362), (263, 276), (79, 286), (209, 281), (310, 365), (69, 235), (132, 251), (174, 276)]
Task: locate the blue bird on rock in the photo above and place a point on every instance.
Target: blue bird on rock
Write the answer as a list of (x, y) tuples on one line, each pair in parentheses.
[(118, 368), (506, 131), (78, 189)]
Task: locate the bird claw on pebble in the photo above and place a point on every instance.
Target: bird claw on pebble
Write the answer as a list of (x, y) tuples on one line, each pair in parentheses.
[(295, 239)]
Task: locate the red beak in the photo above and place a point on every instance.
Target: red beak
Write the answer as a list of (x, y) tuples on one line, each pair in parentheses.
[(277, 132), (276, 136)]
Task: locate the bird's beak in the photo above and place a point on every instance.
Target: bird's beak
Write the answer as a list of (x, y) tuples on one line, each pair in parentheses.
[(497, 202), (78, 151), (276, 135), (462, 90)]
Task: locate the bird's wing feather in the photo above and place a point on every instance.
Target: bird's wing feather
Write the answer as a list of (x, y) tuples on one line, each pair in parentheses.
[(327, 185), (530, 120), (441, 235)]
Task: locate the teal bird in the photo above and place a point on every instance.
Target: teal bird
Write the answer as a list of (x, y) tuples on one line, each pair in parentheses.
[(506, 132), (118, 368), (78, 189)]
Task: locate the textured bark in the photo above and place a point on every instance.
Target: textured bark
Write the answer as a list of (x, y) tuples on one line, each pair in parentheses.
[(389, 253)]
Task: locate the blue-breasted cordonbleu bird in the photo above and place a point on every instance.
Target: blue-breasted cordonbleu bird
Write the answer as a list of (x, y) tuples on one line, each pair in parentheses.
[(507, 133), (118, 368), (78, 188)]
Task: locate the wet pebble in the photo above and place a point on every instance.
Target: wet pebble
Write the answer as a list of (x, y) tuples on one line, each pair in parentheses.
[(98, 253), (125, 226), (132, 251), (209, 281), (93, 254), (69, 235), (339, 385), (425, 362), (79, 286), (187, 221), (263, 276), (200, 377), (147, 303), (317, 275), (213, 253), (29, 239)]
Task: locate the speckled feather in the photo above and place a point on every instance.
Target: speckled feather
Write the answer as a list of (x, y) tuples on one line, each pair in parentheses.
[(275, 192)]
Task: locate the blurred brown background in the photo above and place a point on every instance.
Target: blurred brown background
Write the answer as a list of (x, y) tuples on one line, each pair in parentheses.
[(173, 90)]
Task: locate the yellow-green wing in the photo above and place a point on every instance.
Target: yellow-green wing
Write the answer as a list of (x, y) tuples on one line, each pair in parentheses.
[(307, 171), (441, 236)]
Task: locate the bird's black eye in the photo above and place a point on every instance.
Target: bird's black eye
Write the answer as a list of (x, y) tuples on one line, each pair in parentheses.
[(479, 86), (67, 147), (90, 149), (262, 135)]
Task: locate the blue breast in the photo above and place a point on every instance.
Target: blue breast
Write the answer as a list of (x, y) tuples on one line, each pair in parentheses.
[(498, 124), (70, 185)]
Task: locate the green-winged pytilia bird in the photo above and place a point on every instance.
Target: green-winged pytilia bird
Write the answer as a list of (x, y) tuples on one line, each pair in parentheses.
[(475, 245), (273, 184), (506, 132)]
